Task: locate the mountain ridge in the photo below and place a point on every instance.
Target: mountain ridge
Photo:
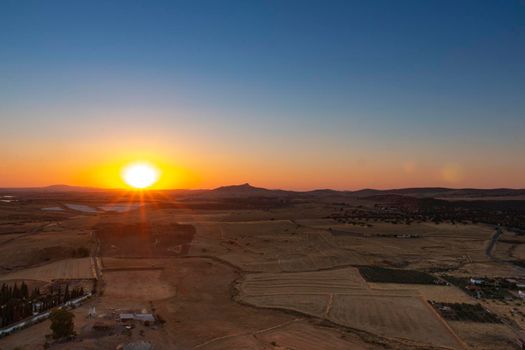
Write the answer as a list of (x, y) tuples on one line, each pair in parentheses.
[(247, 190)]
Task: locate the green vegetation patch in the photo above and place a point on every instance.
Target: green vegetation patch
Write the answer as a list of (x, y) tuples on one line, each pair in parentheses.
[(386, 275), (520, 263), (487, 288), (465, 312)]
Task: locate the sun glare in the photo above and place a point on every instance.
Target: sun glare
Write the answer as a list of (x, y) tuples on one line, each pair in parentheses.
[(140, 175)]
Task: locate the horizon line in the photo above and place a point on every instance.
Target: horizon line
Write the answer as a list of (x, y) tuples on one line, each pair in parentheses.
[(246, 184)]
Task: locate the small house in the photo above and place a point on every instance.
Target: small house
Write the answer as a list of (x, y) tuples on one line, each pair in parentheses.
[(142, 317)]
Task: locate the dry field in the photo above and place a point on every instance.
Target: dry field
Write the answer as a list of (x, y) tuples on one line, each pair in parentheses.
[(209, 319), (489, 269), (394, 317), (192, 294), (272, 279), (64, 269), (295, 334), (301, 335), (137, 285), (332, 281), (144, 240), (33, 249), (308, 245), (445, 294), (5, 238), (519, 252), (483, 336), (271, 246), (444, 245), (13, 228), (343, 297), (127, 263)]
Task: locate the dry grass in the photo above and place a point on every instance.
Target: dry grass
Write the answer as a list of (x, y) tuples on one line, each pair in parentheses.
[(445, 294), (306, 337), (332, 281), (42, 247), (64, 269), (484, 336), (127, 263), (394, 317), (343, 297), (301, 267), (139, 285)]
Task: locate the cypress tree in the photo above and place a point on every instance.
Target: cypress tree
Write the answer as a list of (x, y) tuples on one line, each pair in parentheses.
[(24, 290), (16, 292), (67, 296), (59, 296)]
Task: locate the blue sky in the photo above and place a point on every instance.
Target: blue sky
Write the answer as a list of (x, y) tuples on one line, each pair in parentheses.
[(288, 86)]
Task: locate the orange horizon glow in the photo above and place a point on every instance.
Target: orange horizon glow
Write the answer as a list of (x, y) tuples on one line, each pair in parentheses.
[(192, 164), (108, 175)]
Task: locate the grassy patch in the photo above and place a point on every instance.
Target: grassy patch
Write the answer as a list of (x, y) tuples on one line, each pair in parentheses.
[(520, 263), (465, 312), (386, 275)]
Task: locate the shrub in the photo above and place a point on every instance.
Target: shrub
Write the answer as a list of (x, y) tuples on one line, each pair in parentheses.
[(62, 323)]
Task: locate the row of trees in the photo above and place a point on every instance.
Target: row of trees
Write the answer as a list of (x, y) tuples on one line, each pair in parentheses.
[(7, 292), (405, 210), (16, 303)]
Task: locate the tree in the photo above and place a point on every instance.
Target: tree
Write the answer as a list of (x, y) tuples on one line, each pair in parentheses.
[(62, 323), (82, 252), (16, 292), (59, 295), (35, 294), (24, 290), (67, 296)]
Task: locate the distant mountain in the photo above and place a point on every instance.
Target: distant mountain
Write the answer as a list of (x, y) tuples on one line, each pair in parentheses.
[(480, 193), (366, 192), (68, 188), (246, 187), (52, 188), (412, 192), (441, 192), (326, 192), (246, 190)]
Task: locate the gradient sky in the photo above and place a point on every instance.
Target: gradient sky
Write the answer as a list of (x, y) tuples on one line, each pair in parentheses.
[(289, 94)]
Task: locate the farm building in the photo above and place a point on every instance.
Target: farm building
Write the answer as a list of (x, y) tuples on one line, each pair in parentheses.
[(143, 317), (138, 345), (103, 325)]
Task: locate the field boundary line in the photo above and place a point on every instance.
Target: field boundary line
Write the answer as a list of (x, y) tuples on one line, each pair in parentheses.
[(329, 305), (131, 268), (246, 333), (447, 326)]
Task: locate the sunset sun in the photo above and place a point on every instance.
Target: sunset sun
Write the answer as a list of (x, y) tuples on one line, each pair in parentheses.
[(140, 175)]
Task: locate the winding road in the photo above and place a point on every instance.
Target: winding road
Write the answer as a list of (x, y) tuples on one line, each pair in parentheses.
[(492, 243)]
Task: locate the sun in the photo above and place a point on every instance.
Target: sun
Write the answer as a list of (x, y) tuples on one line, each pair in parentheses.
[(140, 175)]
